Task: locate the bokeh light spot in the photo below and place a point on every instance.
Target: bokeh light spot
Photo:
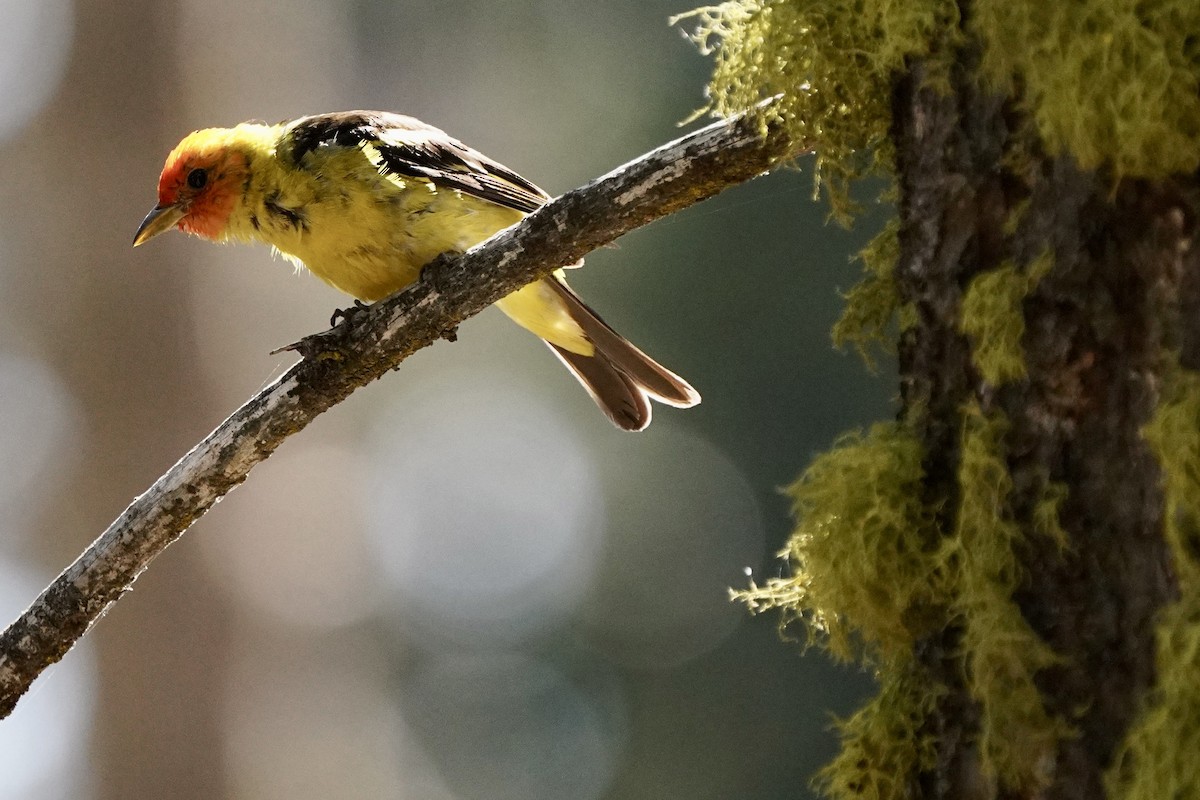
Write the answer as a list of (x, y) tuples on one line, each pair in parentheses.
[(683, 524), (293, 546), (486, 514), (39, 421), (310, 723), (506, 726), (35, 41)]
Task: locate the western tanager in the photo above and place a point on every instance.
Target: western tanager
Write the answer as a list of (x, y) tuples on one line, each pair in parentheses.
[(364, 199)]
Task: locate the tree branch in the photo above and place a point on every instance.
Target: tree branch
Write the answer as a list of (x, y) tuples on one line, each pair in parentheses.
[(356, 352)]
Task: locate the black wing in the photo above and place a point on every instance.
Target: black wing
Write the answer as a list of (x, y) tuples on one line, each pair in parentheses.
[(408, 147)]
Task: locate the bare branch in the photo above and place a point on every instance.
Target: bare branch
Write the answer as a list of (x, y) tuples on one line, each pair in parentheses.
[(356, 352)]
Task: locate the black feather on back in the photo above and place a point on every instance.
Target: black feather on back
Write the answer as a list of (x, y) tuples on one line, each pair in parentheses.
[(409, 147)]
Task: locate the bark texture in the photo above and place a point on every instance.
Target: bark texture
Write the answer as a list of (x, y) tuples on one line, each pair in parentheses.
[(1122, 295)]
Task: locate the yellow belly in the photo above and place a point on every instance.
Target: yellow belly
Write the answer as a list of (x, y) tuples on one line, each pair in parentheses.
[(377, 245)]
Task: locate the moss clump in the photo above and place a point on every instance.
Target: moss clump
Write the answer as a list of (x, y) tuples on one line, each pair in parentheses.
[(885, 744), (833, 62), (1046, 514), (1114, 83), (1018, 738), (1174, 434), (1158, 757), (992, 314), (874, 302), (862, 552), (869, 565)]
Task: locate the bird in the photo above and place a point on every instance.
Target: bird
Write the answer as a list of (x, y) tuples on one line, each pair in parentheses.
[(364, 199)]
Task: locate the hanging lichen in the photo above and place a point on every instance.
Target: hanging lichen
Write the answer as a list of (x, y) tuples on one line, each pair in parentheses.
[(1002, 654), (871, 574), (993, 316), (886, 743), (832, 62), (1158, 756), (872, 305), (862, 553), (1114, 83)]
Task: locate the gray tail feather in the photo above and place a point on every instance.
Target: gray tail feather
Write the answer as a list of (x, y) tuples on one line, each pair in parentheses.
[(619, 377)]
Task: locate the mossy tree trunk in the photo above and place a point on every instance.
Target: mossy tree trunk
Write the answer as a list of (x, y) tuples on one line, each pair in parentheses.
[(1017, 556), (1101, 331)]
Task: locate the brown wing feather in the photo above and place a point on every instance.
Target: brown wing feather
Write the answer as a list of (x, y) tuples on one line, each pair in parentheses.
[(408, 147), (619, 377)]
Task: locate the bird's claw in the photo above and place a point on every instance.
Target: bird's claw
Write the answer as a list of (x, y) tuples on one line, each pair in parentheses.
[(327, 344), (316, 346), (347, 314), (431, 272)]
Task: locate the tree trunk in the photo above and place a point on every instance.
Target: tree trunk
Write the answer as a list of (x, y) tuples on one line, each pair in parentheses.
[(1018, 555), (1101, 329)]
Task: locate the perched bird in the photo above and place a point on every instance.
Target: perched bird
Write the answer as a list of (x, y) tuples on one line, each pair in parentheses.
[(365, 199)]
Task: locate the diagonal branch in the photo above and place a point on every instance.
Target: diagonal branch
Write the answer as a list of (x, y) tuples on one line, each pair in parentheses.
[(676, 175)]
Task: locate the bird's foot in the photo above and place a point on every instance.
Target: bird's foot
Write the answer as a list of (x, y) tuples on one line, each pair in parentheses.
[(431, 273), (316, 346), (327, 344), (347, 315)]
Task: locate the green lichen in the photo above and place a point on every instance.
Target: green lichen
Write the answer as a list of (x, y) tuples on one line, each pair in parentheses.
[(870, 567), (1018, 738), (862, 552), (1174, 434), (832, 62), (1114, 83), (874, 302), (887, 743), (1016, 213), (993, 316), (1046, 520), (1158, 757)]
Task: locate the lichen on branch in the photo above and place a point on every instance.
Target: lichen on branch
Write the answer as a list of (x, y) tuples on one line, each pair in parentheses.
[(832, 62)]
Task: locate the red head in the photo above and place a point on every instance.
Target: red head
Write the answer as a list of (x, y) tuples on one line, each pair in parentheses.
[(199, 187)]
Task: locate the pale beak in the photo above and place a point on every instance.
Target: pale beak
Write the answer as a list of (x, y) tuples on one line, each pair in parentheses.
[(159, 220)]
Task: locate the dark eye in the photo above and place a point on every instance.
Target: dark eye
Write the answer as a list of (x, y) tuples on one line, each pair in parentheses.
[(197, 178)]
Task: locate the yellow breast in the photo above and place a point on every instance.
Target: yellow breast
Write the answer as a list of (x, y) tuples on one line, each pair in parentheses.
[(369, 235), (364, 233)]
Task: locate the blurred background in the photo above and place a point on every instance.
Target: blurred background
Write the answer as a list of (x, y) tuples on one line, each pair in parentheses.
[(463, 582)]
